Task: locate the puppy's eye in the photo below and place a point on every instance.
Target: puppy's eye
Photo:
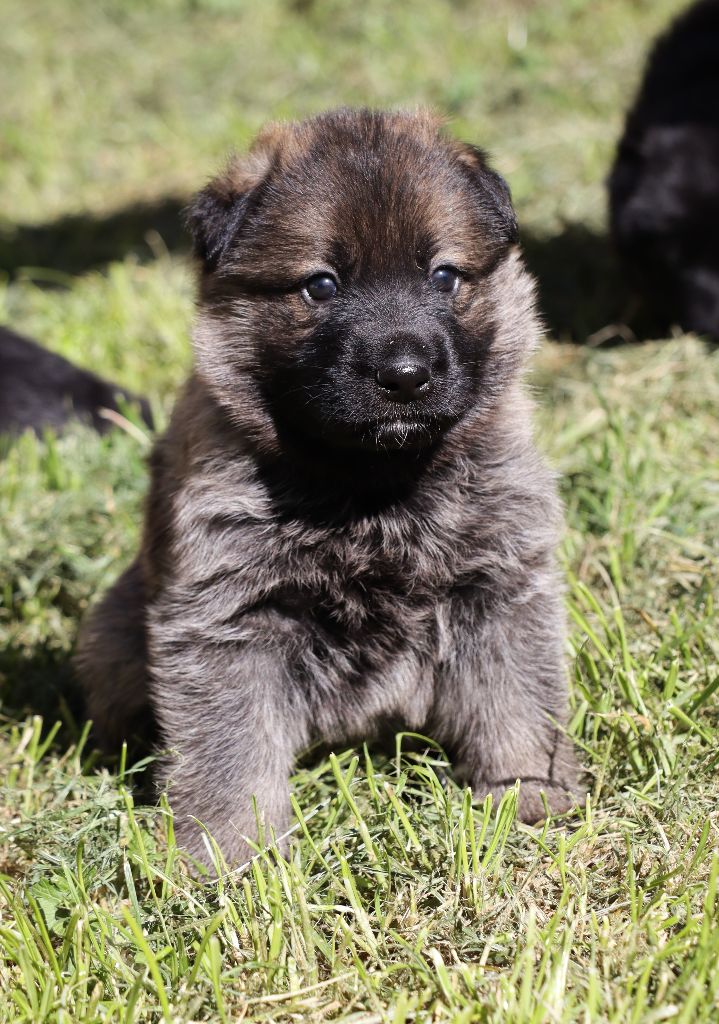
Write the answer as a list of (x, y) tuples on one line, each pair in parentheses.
[(445, 279), (320, 288)]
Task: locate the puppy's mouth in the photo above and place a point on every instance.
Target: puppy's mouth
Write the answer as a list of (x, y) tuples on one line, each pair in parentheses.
[(389, 430), (402, 433), (399, 433)]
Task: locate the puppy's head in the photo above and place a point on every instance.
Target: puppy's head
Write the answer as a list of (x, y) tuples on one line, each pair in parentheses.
[(360, 285)]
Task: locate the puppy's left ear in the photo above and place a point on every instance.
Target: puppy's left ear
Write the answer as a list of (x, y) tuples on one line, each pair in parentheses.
[(215, 215), (492, 191)]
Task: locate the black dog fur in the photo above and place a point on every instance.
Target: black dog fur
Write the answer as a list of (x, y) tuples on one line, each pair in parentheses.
[(664, 186), (40, 390)]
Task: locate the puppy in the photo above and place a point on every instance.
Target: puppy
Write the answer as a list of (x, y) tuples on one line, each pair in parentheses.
[(349, 529), (41, 390), (664, 186)]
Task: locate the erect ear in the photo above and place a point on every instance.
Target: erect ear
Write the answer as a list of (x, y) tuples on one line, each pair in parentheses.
[(492, 191), (216, 213)]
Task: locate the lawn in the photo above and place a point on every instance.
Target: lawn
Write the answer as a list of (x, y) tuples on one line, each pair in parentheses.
[(400, 901)]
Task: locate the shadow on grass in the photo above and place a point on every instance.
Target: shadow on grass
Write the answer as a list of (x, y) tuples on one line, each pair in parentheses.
[(82, 242), (44, 683), (581, 290)]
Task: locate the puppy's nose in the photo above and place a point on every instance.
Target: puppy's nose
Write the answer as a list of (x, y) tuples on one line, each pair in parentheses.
[(404, 380)]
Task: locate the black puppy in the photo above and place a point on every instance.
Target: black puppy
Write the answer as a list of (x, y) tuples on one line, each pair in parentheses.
[(664, 187), (40, 389), (349, 527)]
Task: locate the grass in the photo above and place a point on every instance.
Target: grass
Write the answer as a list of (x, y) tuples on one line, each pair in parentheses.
[(399, 901)]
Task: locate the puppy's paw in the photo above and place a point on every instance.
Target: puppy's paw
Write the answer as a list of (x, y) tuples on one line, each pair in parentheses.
[(537, 798)]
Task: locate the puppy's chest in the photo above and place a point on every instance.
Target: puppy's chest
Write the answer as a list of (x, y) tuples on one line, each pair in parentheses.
[(371, 585), (381, 585), (364, 615), (359, 609), (359, 592)]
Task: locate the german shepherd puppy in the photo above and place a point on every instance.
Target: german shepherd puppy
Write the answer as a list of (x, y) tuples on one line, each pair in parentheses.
[(349, 529)]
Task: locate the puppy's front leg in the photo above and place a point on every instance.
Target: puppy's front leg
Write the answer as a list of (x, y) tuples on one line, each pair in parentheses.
[(501, 701), (232, 724)]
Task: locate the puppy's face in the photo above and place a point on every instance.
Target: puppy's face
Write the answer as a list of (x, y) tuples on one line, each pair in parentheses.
[(349, 289)]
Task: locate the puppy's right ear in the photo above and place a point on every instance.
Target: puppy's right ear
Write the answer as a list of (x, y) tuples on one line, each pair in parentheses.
[(492, 190), (216, 213)]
